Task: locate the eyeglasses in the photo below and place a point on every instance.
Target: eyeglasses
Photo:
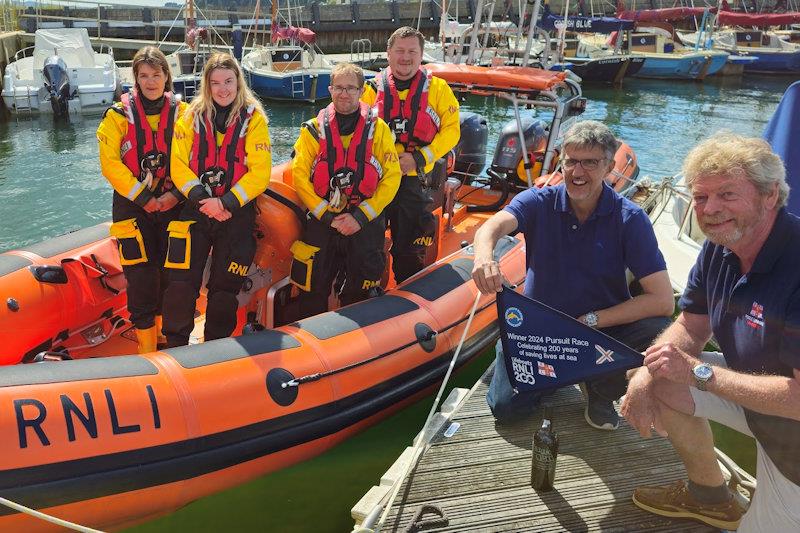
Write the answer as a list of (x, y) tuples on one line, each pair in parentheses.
[(587, 164), (338, 89)]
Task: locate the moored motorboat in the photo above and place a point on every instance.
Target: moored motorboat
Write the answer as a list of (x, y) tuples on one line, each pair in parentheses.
[(61, 74)]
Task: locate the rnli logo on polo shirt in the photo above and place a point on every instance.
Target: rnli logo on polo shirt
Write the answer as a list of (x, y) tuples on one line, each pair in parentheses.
[(513, 317), (755, 318)]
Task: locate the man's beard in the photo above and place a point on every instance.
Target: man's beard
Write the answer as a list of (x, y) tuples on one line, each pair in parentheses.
[(731, 236)]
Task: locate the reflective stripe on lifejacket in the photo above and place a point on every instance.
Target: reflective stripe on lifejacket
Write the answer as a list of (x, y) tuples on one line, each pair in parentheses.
[(228, 161), (333, 158), (412, 129), (141, 143)]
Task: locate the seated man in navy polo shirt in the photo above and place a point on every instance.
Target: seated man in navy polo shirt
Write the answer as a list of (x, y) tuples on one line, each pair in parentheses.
[(580, 237), (745, 290)]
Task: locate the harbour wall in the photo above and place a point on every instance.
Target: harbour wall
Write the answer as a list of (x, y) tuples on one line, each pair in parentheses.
[(336, 25)]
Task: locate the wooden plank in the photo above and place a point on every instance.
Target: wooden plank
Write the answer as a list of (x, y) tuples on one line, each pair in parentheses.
[(480, 477)]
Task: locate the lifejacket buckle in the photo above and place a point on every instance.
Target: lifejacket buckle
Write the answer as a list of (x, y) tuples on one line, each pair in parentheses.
[(399, 125), (152, 162), (212, 180), (343, 178)]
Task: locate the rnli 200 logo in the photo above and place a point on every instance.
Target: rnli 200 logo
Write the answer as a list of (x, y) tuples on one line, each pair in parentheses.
[(513, 317)]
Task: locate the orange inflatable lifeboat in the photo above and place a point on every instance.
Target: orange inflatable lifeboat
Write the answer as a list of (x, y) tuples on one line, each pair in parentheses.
[(109, 439)]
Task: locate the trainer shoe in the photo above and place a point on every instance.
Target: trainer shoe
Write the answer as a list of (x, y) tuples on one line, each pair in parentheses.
[(675, 501), (599, 412)]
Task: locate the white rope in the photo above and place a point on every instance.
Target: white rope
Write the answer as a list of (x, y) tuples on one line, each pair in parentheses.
[(224, 44), (417, 452), (170, 28), (46, 517)]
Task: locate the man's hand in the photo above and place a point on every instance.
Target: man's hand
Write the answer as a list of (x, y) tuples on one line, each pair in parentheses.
[(345, 224), (152, 206), (639, 406), (167, 201), (487, 276), (213, 208), (667, 361), (407, 163)]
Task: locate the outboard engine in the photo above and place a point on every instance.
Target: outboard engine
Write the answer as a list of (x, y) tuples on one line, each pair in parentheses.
[(508, 164), (471, 148), (56, 83), (507, 170)]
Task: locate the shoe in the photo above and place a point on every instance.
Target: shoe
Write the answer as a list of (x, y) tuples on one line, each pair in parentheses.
[(675, 501), (147, 339), (599, 412)]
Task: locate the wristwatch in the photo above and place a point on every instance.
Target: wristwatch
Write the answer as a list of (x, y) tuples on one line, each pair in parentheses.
[(702, 375), (590, 319)]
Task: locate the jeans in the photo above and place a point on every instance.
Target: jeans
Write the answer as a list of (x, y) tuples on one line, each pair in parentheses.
[(508, 405)]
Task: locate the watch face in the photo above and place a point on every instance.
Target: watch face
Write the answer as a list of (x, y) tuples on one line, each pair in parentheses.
[(703, 371)]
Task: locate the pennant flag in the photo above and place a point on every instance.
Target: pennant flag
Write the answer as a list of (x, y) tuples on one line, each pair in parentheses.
[(545, 349)]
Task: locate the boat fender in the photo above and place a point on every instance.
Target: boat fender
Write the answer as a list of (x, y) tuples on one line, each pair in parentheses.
[(49, 274), (179, 247), (283, 395), (425, 336), (130, 242), (302, 264)]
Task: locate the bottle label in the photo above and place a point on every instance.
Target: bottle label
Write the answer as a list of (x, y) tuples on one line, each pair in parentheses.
[(542, 458)]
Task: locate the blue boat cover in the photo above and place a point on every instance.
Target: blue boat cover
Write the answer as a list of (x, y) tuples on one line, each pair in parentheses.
[(783, 133), (584, 24), (545, 349)]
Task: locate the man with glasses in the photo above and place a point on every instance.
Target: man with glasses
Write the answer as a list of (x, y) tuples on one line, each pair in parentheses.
[(345, 170), (581, 237), (422, 112)]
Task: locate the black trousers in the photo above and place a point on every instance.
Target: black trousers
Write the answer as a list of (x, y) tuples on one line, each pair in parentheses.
[(146, 280), (412, 226), (357, 260), (232, 247)]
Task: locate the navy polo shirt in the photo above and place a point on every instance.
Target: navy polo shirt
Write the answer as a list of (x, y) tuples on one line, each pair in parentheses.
[(755, 317), (577, 268)]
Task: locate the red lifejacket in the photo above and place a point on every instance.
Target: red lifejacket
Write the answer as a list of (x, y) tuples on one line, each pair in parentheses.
[(413, 121), (219, 168), (355, 166), (142, 148)]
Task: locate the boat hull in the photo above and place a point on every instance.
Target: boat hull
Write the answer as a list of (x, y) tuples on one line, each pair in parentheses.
[(774, 62), (606, 70), (694, 66), (308, 87)]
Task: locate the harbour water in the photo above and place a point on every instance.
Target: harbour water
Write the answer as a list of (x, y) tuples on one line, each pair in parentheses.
[(50, 183)]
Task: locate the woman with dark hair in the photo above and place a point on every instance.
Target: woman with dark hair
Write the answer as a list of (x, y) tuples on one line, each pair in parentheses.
[(135, 141), (221, 163)]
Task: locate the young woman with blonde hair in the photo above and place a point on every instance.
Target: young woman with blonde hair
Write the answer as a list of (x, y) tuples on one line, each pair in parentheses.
[(221, 163)]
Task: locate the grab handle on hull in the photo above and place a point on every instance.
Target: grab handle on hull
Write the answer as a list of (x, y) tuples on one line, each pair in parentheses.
[(49, 274)]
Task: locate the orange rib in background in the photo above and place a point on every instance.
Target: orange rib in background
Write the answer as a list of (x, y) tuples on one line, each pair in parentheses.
[(502, 77)]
